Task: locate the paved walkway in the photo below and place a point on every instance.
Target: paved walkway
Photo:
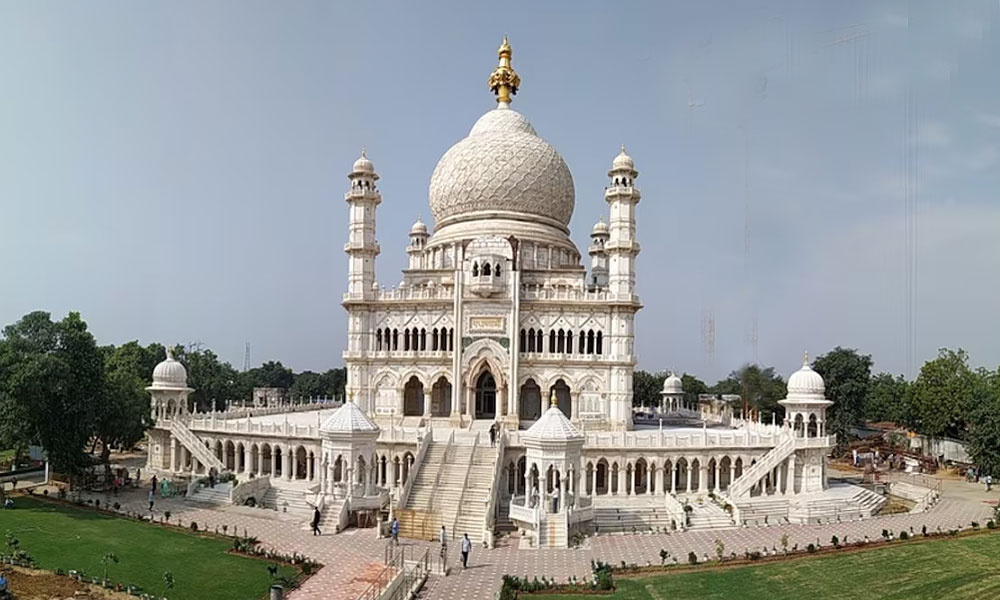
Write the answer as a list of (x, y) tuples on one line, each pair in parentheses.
[(354, 558)]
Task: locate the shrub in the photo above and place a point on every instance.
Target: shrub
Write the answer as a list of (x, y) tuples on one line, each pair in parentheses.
[(903, 535), (811, 548), (194, 526), (975, 524), (923, 530), (117, 506), (166, 514), (755, 555), (692, 558), (885, 533), (663, 555), (720, 549), (991, 524), (835, 541)]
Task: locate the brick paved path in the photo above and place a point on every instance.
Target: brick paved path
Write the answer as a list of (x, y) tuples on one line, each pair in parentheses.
[(353, 558)]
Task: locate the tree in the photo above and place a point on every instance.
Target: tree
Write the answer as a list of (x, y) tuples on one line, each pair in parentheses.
[(337, 379), (51, 376), (214, 381), (693, 387), (945, 394), (846, 374), (887, 400), (308, 384), (760, 388), (122, 415), (984, 427), (646, 388), (271, 374)]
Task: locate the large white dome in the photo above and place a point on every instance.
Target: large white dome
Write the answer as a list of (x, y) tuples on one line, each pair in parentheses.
[(502, 169), (806, 382)]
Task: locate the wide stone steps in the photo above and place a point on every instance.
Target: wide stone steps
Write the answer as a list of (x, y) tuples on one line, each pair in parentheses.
[(288, 500), (207, 495), (629, 520)]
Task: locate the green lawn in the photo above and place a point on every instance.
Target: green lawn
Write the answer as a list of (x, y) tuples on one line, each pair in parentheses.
[(63, 537), (956, 569)]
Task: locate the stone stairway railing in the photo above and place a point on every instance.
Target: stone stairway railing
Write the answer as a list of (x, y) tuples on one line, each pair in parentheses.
[(676, 510), (195, 446), (741, 487), (418, 459), (491, 502)]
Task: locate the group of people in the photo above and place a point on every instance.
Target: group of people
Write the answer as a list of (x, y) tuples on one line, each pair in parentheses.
[(466, 546)]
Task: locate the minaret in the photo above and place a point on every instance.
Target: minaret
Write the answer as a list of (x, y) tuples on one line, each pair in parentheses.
[(598, 257), (361, 247), (418, 241), (621, 250), (622, 196)]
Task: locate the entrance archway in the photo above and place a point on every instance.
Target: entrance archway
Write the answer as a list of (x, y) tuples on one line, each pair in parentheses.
[(413, 398), (441, 398), (531, 401), (486, 396)]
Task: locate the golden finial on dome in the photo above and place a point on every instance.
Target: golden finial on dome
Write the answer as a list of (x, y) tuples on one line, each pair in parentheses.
[(504, 80), (805, 357), (553, 400)]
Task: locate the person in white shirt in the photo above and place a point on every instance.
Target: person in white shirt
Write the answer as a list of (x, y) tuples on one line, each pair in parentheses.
[(466, 548)]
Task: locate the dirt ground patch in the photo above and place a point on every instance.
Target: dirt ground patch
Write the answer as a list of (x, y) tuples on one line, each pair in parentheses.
[(29, 584)]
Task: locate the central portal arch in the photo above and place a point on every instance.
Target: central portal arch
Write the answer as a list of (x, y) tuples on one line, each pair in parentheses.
[(486, 396)]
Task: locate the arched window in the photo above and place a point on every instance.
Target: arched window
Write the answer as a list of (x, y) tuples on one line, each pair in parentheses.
[(378, 339), (569, 341), (521, 347), (475, 269), (600, 342), (434, 338), (395, 339), (444, 338), (583, 342), (531, 340), (496, 270), (590, 341), (423, 340), (486, 269), (539, 340), (406, 339), (552, 341), (451, 339), (561, 342)]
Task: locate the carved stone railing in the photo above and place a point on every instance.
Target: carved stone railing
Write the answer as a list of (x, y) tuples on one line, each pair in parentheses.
[(411, 475), (251, 488), (497, 475)]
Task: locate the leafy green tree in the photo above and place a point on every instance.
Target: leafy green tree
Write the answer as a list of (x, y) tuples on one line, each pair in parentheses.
[(51, 381), (888, 400), (693, 387), (213, 380), (309, 384), (270, 374), (760, 387), (984, 426), (337, 380), (945, 394), (646, 388), (846, 374), (122, 415)]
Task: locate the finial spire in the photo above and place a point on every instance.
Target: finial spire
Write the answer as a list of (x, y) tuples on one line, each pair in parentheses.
[(504, 81), (553, 400), (805, 357), (366, 156), (623, 148)]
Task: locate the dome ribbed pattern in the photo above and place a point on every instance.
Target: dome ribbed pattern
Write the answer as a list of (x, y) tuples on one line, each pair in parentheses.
[(348, 418), (554, 426)]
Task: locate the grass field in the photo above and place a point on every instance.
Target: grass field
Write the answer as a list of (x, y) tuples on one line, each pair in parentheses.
[(62, 537), (950, 568)]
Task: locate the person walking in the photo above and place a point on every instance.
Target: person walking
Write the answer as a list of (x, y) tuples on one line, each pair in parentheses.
[(493, 435), (150, 500), (395, 531), (315, 522), (466, 548), (555, 499), (152, 486), (989, 482)]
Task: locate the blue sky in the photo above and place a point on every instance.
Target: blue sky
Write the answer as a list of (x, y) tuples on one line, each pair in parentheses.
[(175, 170)]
